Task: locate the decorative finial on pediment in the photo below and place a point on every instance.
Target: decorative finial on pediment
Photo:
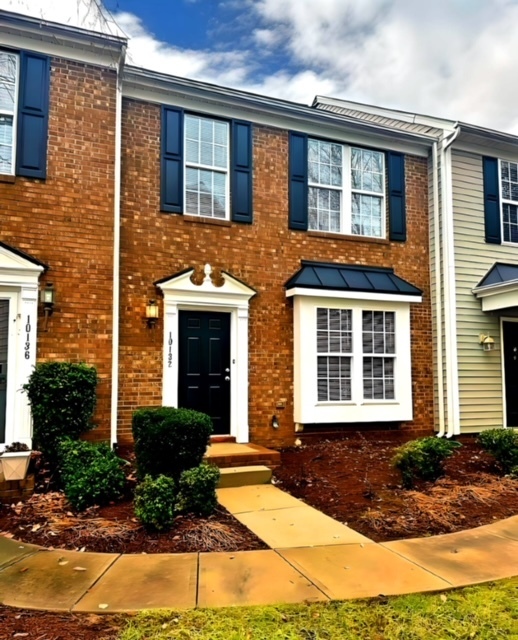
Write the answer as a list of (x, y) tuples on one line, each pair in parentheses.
[(207, 270)]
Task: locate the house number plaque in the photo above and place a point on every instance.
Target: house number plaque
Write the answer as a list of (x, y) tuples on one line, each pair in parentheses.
[(27, 346), (170, 350)]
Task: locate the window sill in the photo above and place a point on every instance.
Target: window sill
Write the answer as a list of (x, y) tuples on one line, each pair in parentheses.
[(6, 177), (202, 220), (349, 238)]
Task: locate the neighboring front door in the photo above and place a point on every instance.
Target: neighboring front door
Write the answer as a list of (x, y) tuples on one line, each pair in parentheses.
[(4, 350), (204, 365), (511, 372)]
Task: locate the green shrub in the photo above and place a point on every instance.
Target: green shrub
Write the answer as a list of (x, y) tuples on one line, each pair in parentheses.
[(423, 458), (155, 502), (62, 399), (503, 445), (90, 473), (169, 441), (197, 490)]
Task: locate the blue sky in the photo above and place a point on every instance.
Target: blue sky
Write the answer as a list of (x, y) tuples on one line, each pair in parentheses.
[(447, 58)]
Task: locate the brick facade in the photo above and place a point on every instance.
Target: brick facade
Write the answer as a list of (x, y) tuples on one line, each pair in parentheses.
[(262, 255), (66, 221)]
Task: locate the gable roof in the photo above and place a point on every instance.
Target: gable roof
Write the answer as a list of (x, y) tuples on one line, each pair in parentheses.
[(500, 273)]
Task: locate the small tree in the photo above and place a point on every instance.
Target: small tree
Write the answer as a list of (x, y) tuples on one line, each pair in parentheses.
[(62, 396)]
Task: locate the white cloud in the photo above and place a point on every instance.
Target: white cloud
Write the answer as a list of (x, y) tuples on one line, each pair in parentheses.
[(451, 58)]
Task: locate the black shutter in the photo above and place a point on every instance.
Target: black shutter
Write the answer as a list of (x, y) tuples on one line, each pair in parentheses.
[(491, 201), (33, 115), (241, 178), (396, 195), (171, 188), (298, 187)]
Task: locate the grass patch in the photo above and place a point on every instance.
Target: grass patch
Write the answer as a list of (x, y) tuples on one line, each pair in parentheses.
[(487, 612)]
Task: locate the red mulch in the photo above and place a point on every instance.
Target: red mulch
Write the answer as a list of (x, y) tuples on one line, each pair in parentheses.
[(351, 479)]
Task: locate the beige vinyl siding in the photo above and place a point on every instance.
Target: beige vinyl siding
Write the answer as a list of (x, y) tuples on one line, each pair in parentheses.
[(480, 372)]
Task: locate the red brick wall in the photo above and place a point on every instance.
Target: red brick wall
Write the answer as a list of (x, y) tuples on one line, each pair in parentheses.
[(67, 221), (263, 255)]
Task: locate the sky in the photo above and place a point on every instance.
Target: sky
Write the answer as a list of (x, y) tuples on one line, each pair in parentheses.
[(447, 58)]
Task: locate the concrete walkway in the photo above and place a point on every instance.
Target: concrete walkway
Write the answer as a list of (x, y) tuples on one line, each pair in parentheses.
[(312, 558)]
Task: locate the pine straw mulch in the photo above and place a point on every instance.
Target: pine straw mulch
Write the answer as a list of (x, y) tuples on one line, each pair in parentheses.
[(351, 479), (46, 519), (442, 507)]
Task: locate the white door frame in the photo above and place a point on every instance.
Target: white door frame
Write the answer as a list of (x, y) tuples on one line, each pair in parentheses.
[(181, 294), (502, 360), (19, 284)]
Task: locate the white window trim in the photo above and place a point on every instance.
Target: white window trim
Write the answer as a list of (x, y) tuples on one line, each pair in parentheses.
[(347, 191), (14, 114), (504, 201), (233, 297), (202, 167), (307, 408)]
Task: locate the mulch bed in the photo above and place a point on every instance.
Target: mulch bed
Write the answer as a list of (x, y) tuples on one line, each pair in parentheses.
[(351, 480)]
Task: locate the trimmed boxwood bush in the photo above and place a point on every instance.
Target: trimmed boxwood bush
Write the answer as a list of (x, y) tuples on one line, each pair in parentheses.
[(423, 458), (90, 473), (155, 502), (62, 397), (197, 490), (503, 445), (169, 441)]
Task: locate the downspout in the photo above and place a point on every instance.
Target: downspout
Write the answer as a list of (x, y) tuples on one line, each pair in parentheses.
[(438, 288), (450, 319), (116, 253)]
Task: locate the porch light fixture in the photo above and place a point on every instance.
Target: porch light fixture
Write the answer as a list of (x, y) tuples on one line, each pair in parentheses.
[(47, 298), (487, 342), (152, 313), (275, 422)]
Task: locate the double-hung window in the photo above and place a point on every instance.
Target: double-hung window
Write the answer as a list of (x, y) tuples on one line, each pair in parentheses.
[(9, 65), (346, 189), (379, 350), (206, 167), (334, 347), (509, 204)]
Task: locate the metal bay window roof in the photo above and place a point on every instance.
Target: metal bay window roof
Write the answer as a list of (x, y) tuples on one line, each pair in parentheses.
[(349, 278)]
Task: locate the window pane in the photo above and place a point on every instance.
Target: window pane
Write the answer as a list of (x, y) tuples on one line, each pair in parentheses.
[(6, 144), (366, 217), (509, 181), (8, 77), (510, 222), (334, 378), (324, 206), (367, 170), (205, 193), (324, 163)]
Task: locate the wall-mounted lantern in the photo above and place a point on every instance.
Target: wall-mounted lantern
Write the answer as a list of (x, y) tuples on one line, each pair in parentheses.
[(47, 298), (487, 342), (152, 313)]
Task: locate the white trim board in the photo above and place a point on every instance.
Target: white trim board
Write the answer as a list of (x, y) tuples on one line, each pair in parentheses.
[(233, 297)]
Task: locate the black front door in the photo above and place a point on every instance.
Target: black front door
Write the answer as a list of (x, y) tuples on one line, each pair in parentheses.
[(204, 365), (511, 372)]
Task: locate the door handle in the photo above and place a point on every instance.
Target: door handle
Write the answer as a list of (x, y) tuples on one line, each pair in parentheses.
[(227, 370), (227, 378)]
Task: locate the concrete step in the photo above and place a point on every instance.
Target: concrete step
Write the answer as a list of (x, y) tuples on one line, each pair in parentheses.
[(234, 454), (244, 476)]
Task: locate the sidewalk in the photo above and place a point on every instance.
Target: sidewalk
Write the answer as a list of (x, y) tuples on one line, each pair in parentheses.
[(312, 557)]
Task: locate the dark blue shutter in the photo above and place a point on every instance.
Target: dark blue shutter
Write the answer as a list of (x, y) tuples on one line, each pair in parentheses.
[(298, 188), (171, 188), (241, 179), (33, 115), (491, 201), (396, 195)]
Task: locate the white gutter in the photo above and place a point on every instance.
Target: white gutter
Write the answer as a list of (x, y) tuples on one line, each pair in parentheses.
[(438, 289), (450, 316), (116, 253)]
